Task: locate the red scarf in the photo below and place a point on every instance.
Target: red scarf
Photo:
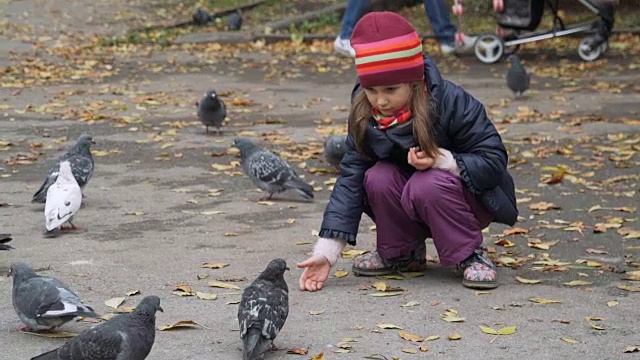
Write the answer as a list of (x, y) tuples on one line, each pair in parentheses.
[(385, 122)]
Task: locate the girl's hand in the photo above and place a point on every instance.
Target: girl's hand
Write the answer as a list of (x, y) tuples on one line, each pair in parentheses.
[(316, 272), (418, 159)]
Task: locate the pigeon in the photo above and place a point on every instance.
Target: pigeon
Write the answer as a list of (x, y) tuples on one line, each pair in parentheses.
[(81, 165), (4, 239), (42, 302), (128, 336), (201, 17), (211, 111), (334, 149), (263, 309), (234, 21), (268, 171), (64, 198), (518, 77)]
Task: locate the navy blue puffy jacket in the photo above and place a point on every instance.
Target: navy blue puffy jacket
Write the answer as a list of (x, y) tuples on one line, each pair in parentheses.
[(461, 126)]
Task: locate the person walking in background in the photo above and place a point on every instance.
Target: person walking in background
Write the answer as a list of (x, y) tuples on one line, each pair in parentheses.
[(437, 13)]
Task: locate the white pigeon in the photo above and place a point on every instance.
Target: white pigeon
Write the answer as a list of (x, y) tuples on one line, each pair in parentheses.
[(63, 200)]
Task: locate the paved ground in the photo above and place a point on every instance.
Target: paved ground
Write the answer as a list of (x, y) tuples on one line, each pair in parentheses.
[(152, 215)]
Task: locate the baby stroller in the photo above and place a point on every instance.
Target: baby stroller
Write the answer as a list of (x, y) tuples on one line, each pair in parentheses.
[(520, 17)]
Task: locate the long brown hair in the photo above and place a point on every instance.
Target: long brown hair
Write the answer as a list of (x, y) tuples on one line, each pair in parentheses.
[(418, 104)]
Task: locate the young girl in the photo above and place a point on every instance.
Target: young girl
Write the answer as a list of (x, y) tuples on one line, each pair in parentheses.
[(423, 160)]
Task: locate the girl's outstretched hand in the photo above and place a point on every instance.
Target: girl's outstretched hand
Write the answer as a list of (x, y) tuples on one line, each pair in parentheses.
[(419, 160), (316, 272)]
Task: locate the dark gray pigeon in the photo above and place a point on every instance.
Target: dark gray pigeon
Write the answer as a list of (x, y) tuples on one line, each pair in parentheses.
[(127, 336), (268, 171), (4, 239), (334, 149), (43, 303), (234, 21), (212, 111), (201, 17), (81, 165), (518, 77), (263, 310)]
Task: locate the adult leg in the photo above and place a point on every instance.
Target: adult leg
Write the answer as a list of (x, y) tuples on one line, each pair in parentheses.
[(399, 239), (354, 11), (443, 28), (438, 15), (455, 219)]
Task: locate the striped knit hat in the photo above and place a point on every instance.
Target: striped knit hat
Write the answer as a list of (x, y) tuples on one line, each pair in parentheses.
[(388, 50)]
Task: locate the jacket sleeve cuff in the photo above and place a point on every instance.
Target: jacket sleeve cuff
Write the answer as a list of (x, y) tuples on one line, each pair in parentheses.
[(447, 162), (329, 248)]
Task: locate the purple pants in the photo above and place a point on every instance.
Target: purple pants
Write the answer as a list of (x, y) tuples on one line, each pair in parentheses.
[(409, 208)]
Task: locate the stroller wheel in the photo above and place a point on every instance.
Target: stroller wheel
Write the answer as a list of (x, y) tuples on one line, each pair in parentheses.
[(589, 53), (489, 48)]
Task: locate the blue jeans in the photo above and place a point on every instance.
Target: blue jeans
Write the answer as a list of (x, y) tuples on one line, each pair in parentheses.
[(354, 11), (438, 15), (436, 11)]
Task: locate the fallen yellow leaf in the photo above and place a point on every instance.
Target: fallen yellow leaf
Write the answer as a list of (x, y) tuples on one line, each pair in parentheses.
[(569, 340), (577, 283), (114, 302), (527, 281), (181, 324), (55, 335), (411, 337), (388, 326), (544, 301), (214, 265), (341, 273), (223, 285), (455, 336), (206, 296)]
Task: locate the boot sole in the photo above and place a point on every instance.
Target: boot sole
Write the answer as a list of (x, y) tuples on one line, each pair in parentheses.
[(480, 285)]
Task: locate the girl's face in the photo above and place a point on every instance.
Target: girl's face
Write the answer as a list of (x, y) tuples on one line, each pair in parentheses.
[(388, 99)]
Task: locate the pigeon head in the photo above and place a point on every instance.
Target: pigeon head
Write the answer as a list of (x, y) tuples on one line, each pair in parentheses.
[(211, 100), (20, 271), (148, 306), (275, 270), (514, 59), (84, 142), (246, 147)]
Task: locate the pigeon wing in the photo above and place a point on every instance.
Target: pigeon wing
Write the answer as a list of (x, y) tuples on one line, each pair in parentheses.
[(82, 169), (103, 342), (263, 306), (271, 169), (63, 201)]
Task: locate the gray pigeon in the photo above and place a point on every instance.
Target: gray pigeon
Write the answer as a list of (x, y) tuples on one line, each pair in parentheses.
[(211, 111), (43, 303), (268, 171), (81, 165), (4, 239), (201, 17), (234, 21), (263, 309), (127, 336), (518, 77), (334, 149)]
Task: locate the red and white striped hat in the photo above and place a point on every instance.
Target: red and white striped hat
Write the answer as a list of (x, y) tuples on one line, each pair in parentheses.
[(388, 50)]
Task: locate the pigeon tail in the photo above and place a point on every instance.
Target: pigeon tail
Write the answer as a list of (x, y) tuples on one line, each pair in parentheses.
[(4, 239), (71, 310), (51, 355), (40, 197), (304, 189), (254, 345)]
